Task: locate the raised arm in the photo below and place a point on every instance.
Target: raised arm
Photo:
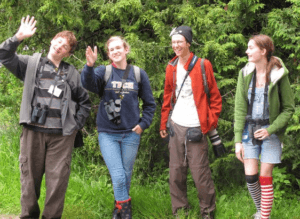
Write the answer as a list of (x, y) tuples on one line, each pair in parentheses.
[(15, 63), (91, 56), (92, 78)]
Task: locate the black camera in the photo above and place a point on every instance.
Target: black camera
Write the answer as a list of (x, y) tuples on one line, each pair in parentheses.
[(254, 129), (113, 109), (39, 114), (253, 126)]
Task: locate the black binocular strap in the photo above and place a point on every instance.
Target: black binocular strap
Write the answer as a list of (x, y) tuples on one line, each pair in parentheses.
[(250, 106), (40, 68), (124, 78)]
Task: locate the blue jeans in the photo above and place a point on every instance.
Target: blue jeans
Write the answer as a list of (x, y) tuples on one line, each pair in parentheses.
[(119, 152)]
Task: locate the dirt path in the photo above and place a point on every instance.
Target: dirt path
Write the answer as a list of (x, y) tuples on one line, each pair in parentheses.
[(9, 217)]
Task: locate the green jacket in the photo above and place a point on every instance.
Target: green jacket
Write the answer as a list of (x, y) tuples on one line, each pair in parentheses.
[(281, 108)]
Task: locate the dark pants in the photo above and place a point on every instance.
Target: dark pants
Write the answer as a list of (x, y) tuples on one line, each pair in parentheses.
[(197, 160), (48, 154)]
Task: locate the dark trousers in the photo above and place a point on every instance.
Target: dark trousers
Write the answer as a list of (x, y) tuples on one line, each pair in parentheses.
[(48, 154), (197, 159)]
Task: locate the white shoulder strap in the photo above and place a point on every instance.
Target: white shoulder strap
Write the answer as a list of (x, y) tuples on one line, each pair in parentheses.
[(108, 70), (137, 73)]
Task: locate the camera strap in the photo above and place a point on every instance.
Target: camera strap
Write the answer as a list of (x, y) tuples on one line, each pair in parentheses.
[(124, 78), (250, 105), (191, 66)]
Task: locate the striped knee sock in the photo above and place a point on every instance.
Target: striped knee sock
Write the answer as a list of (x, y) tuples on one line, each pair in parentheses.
[(266, 196), (254, 189)]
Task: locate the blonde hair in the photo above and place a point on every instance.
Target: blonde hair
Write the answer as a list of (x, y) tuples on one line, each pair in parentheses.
[(113, 38)]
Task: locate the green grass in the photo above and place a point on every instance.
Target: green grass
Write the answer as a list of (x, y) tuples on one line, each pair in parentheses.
[(90, 193)]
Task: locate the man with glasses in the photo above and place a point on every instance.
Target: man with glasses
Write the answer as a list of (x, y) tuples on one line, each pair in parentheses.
[(54, 107), (184, 96)]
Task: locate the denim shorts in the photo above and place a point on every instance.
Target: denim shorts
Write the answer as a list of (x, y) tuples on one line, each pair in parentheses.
[(270, 150)]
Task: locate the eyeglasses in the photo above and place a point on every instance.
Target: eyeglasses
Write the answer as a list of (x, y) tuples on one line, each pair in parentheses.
[(179, 43)]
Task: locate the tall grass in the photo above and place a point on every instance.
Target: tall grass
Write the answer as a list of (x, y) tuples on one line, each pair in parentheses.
[(9, 165), (90, 193)]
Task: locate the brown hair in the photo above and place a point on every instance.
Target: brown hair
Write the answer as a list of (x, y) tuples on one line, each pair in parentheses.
[(69, 35), (113, 38), (265, 42)]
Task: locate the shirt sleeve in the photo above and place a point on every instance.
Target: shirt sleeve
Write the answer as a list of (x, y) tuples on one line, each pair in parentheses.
[(92, 78), (287, 103), (240, 109), (15, 63), (166, 106), (145, 93), (215, 96), (81, 97)]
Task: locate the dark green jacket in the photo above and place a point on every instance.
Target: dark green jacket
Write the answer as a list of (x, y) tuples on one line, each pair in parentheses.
[(280, 97)]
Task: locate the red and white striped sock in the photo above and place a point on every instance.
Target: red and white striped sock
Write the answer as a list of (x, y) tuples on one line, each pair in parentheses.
[(267, 196)]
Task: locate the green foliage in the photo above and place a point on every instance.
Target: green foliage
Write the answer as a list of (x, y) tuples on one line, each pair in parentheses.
[(221, 29), (90, 195), (283, 184)]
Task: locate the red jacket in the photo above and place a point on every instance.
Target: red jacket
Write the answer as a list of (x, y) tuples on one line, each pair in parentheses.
[(208, 116)]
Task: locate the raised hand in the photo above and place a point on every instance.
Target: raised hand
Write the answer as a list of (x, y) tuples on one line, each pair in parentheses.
[(27, 28), (91, 56)]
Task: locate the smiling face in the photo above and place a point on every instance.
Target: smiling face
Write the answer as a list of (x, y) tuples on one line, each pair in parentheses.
[(59, 49), (117, 51), (255, 54), (180, 46)]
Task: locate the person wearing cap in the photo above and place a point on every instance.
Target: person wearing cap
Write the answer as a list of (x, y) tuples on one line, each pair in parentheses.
[(54, 107), (186, 98)]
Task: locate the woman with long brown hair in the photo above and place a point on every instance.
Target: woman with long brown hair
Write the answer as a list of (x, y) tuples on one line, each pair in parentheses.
[(264, 103)]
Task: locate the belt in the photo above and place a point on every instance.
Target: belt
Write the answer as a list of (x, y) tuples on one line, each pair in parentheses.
[(258, 121)]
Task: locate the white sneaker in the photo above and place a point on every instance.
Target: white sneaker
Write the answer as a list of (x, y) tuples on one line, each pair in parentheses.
[(256, 215)]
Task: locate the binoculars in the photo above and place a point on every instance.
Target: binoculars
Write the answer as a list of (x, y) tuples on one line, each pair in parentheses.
[(113, 109), (39, 114)]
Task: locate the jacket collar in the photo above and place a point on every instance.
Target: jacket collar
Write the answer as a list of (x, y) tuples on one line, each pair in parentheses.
[(174, 61), (276, 73)]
